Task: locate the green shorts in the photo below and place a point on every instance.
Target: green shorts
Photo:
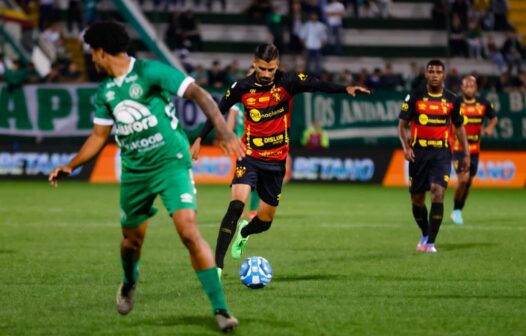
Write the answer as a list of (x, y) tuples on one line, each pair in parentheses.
[(173, 182)]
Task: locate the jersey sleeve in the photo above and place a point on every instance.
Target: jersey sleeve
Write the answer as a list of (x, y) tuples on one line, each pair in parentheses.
[(103, 115), (490, 112), (168, 78), (301, 82), (407, 110), (232, 96), (456, 117)]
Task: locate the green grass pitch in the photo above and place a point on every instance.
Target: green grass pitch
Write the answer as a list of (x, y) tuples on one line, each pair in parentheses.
[(343, 257)]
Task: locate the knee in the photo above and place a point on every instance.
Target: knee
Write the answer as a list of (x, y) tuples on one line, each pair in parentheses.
[(265, 225), (188, 233), (418, 200), (131, 243)]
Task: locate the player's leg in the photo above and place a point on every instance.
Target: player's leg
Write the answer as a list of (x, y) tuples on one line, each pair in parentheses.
[(269, 184), (243, 182), (204, 265), (419, 184), (136, 202), (131, 245), (460, 192), (254, 202)]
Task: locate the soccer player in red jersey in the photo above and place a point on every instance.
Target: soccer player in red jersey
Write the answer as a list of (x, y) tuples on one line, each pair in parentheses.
[(430, 110), (475, 110), (267, 98)]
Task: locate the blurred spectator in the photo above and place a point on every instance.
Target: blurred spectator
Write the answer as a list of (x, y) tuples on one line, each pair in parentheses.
[(210, 2), (494, 54), (15, 76), (335, 12), (173, 36), (344, 77), (216, 76), (453, 80), (183, 58), (54, 75), (504, 83), (460, 8), (46, 13), (499, 8), (315, 137), (257, 10), (457, 42), (381, 7), (72, 74), (33, 76), (234, 73), (356, 7), (200, 75), (363, 78), (325, 76), (314, 36), (439, 12), (89, 11), (190, 31), (313, 6), (474, 39), (373, 81), (415, 78), (274, 23), (389, 80), (521, 81), (296, 46), (513, 52), (74, 15)]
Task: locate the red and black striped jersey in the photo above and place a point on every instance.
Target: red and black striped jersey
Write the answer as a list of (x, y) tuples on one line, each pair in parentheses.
[(474, 111), (267, 110), (430, 116)]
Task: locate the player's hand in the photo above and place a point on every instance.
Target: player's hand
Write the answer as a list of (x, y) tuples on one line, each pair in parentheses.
[(487, 131), (409, 154), (58, 173), (230, 144), (353, 90), (466, 163), (195, 149)]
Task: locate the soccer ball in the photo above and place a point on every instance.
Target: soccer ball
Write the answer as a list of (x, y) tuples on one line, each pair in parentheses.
[(255, 272)]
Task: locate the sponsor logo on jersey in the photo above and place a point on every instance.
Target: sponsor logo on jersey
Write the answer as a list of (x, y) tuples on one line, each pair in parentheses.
[(145, 144), (274, 140), (130, 79), (133, 117), (302, 76), (255, 115)]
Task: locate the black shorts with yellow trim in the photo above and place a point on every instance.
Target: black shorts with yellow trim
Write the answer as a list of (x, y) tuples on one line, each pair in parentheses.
[(264, 176), (458, 160), (432, 165)]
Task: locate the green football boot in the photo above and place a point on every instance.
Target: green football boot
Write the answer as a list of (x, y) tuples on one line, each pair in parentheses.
[(240, 244)]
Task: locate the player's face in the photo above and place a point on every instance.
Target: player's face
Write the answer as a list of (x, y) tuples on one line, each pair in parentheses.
[(97, 56), (265, 71), (469, 87), (435, 76)]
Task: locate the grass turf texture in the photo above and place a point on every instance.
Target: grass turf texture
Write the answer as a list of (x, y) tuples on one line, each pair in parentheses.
[(343, 259)]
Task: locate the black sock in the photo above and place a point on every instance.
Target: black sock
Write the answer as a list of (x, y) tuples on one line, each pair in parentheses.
[(256, 225), (227, 230), (435, 219), (459, 204), (420, 214)]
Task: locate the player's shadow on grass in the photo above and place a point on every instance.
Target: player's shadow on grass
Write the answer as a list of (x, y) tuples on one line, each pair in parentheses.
[(184, 320), (7, 251), (451, 247)]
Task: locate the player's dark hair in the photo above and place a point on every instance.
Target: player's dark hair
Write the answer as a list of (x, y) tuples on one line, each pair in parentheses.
[(267, 52), (436, 62), (111, 36)]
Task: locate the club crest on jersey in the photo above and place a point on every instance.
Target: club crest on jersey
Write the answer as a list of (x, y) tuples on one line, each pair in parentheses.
[(302, 76), (255, 115), (110, 95), (240, 171), (136, 91)]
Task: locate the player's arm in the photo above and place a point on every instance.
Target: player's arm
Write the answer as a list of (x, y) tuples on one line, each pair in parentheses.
[(405, 116), (231, 118), (460, 132), (89, 150), (492, 116), (300, 82), (227, 101), (227, 139)]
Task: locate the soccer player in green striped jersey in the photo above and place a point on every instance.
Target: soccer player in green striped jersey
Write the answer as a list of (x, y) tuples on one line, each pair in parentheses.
[(135, 98)]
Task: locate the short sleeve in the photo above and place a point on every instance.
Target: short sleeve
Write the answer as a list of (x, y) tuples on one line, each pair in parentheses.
[(407, 110), (490, 112), (456, 117), (103, 115), (231, 97), (167, 77)]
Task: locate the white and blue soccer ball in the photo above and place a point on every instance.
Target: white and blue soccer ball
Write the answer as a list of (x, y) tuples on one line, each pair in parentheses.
[(255, 272)]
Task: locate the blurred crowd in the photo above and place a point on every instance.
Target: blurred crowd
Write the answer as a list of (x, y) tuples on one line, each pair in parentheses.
[(306, 31)]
